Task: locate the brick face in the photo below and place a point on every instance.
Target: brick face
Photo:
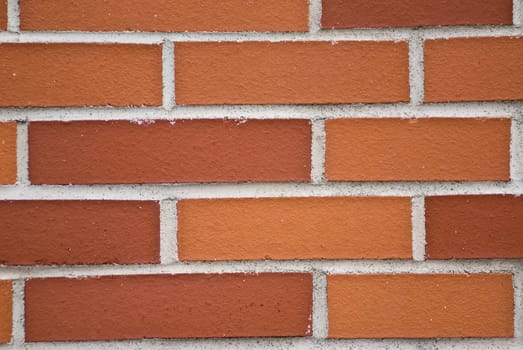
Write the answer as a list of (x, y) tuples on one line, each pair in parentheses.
[(438, 149), (8, 166), (294, 228), (79, 232), (3, 15), (420, 306), (474, 69), (291, 73), (206, 169), (407, 13), (67, 75), (162, 306), (165, 15), (187, 151), (6, 311), (474, 227)]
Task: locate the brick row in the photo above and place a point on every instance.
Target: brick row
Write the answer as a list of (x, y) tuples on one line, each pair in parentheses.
[(268, 304), (62, 75), (127, 232)]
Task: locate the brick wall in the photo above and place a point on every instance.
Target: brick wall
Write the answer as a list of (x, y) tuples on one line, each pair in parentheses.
[(266, 174)]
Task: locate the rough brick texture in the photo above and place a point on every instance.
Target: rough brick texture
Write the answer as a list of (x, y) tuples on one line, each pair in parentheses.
[(63, 75), (406, 13), (6, 311), (420, 306), (474, 227), (294, 228), (79, 232), (7, 153), (162, 306), (165, 15), (291, 72), (439, 149), (270, 172), (186, 151), (474, 69)]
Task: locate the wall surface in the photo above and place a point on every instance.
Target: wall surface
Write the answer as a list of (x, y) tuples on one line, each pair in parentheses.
[(266, 174)]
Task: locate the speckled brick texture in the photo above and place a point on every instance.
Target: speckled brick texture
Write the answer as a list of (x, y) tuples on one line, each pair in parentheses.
[(261, 174)]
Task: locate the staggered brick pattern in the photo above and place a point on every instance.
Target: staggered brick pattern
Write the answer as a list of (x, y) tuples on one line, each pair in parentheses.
[(303, 174)]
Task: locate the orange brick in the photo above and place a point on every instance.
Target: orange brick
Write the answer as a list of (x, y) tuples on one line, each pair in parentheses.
[(6, 311), (62, 75), (432, 149), (291, 72), (406, 13), (187, 151), (474, 227), (79, 232), (420, 306), (473, 69), (7, 153), (294, 228), (163, 306), (165, 15)]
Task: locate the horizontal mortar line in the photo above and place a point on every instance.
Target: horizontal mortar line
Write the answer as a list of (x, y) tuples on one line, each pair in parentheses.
[(281, 343), (254, 190), (460, 109), (275, 266), (371, 34)]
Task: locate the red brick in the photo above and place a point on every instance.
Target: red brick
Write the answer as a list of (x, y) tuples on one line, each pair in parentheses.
[(6, 311), (79, 232), (407, 13), (7, 153), (474, 69), (3, 15), (428, 149), (62, 75), (162, 306), (474, 227), (165, 15), (187, 151), (291, 72), (420, 306), (294, 228)]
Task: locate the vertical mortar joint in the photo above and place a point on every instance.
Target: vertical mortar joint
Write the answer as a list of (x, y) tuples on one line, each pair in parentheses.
[(168, 75), (315, 12), (416, 69), (418, 228), (168, 231), (13, 16), (319, 305), (318, 151)]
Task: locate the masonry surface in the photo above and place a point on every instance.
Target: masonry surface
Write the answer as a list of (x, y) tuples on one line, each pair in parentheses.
[(299, 174)]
